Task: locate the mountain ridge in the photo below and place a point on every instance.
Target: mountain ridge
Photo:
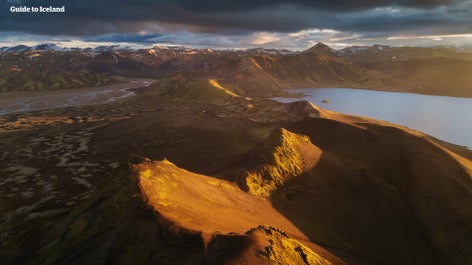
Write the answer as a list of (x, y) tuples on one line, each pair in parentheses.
[(260, 72)]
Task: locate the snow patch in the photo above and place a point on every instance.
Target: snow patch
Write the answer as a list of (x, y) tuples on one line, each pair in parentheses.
[(116, 58)]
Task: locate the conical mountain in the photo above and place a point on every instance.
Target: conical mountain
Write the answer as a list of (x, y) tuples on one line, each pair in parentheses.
[(321, 48)]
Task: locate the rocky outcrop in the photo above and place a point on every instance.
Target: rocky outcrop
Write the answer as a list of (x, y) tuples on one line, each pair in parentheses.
[(285, 155)]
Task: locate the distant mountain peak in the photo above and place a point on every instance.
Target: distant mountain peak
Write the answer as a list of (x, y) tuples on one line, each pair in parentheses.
[(321, 48), (321, 45), (48, 46), (381, 47), (18, 48), (39, 47)]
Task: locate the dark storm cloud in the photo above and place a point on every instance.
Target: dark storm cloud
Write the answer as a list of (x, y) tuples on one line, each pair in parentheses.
[(131, 38), (244, 5), (417, 22), (89, 17)]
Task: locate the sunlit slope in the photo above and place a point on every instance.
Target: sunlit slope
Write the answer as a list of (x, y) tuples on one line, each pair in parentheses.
[(200, 90), (286, 155), (205, 204), (262, 245)]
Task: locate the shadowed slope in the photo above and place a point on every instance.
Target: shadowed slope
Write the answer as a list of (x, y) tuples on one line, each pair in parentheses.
[(381, 195), (113, 226)]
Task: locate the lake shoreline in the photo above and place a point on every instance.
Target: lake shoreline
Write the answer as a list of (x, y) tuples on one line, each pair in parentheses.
[(393, 89), (436, 115)]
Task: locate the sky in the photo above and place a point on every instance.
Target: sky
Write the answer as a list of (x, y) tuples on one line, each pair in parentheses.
[(239, 24)]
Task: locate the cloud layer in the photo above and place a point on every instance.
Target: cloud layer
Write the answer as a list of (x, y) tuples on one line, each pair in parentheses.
[(257, 22)]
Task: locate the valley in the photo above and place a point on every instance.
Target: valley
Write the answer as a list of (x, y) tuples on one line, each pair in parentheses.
[(11, 102)]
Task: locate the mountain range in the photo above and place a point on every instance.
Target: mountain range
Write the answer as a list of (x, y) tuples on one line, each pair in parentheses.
[(258, 72)]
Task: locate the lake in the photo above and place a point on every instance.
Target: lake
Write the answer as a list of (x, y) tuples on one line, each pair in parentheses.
[(446, 118)]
